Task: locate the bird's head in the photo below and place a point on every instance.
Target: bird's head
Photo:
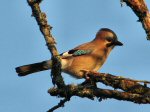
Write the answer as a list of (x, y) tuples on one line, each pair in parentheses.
[(107, 38)]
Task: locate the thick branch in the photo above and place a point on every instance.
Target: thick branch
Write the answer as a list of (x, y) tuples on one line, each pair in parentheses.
[(82, 91), (45, 29), (125, 84), (43, 25), (140, 9)]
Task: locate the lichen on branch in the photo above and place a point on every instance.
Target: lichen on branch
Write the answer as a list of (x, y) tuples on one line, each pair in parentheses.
[(91, 93), (117, 82), (50, 42)]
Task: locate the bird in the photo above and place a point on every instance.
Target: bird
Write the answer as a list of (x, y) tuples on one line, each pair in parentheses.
[(89, 56)]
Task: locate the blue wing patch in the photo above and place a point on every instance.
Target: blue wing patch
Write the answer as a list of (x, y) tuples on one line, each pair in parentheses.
[(75, 52), (81, 52)]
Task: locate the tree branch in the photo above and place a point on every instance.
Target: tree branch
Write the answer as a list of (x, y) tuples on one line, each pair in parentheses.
[(60, 104), (50, 42), (134, 91), (82, 91), (140, 9), (117, 82)]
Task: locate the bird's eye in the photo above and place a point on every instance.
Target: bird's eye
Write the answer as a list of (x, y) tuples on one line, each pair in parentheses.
[(109, 39)]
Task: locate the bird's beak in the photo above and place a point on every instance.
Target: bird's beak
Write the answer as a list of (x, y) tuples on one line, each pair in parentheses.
[(118, 43)]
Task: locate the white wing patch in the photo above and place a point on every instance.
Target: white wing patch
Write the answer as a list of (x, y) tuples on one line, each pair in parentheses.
[(66, 54)]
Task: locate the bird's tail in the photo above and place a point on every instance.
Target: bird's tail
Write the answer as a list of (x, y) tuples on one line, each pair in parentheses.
[(32, 68)]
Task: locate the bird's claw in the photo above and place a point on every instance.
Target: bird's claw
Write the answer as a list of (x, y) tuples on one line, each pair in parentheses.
[(88, 82), (86, 72)]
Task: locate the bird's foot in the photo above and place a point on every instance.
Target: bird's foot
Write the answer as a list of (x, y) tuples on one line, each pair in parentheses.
[(85, 73), (88, 82)]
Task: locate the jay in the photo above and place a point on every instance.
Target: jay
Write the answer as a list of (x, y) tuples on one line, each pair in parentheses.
[(89, 56)]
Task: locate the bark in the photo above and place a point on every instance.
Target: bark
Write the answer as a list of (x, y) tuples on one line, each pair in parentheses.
[(139, 7), (91, 93), (50, 42)]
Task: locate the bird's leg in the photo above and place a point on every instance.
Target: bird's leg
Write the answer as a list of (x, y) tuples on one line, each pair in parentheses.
[(85, 74), (88, 82)]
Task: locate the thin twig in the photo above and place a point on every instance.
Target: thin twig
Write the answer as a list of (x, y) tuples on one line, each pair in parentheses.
[(60, 104)]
